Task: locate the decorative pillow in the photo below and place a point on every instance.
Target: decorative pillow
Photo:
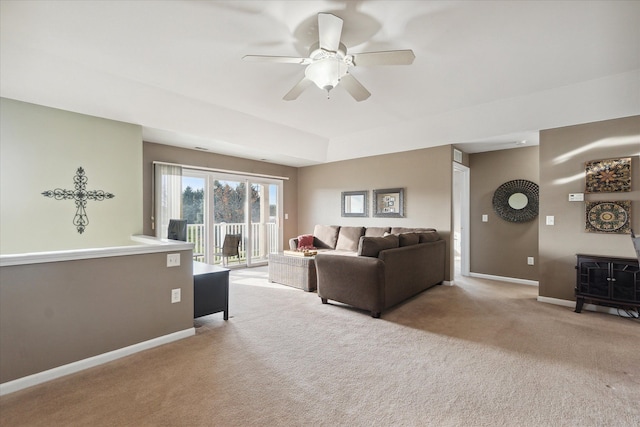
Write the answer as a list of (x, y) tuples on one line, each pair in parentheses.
[(371, 246), (348, 238), (305, 241), (429, 236), (326, 236), (408, 239)]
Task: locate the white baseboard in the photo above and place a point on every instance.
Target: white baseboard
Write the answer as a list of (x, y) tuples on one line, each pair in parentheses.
[(80, 365), (588, 307), (505, 279)]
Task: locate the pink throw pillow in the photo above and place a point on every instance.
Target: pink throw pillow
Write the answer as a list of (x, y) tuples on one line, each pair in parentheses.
[(305, 241)]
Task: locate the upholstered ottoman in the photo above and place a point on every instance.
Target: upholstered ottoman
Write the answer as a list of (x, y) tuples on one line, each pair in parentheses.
[(296, 271)]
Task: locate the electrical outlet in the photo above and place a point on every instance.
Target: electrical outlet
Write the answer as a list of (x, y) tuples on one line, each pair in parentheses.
[(175, 295), (551, 220), (173, 260), (530, 260), (485, 218)]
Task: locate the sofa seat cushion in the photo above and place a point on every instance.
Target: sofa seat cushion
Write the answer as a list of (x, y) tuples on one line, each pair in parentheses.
[(371, 246), (348, 238), (326, 236)]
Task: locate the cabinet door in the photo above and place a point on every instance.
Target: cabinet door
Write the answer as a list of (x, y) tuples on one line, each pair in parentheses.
[(594, 278), (624, 280)]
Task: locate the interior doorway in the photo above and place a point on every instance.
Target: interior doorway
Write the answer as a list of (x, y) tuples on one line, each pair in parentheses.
[(460, 251)]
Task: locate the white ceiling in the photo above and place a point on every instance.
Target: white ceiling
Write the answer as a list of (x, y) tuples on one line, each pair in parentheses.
[(486, 74)]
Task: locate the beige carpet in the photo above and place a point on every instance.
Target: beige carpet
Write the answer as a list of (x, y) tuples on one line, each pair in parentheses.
[(479, 353)]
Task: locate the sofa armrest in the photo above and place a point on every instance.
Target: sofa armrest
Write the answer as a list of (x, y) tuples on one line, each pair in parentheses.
[(412, 269), (293, 243), (354, 280)]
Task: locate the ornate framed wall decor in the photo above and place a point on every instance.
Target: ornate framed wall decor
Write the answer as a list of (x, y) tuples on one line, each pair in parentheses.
[(608, 217), (517, 200), (388, 203), (608, 176)]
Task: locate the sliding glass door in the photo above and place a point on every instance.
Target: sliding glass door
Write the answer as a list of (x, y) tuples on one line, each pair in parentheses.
[(265, 233), (228, 215), (216, 204)]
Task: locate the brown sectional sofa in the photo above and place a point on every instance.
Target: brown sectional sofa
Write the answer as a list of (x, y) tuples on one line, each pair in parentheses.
[(375, 268)]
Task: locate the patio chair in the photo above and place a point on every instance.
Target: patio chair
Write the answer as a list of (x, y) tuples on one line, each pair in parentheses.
[(230, 248), (177, 229)]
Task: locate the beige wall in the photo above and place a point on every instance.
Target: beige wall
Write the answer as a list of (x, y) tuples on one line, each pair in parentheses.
[(563, 153), (53, 314), (164, 153), (426, 176), (40, 149), (499, 247)]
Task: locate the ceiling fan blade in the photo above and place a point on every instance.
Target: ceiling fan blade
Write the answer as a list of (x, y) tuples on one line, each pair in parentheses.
[(295, 91), (354, 87), (279, 59), (391, 57), (329, 31)]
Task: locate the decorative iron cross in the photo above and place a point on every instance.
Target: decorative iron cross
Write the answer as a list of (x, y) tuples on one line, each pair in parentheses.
[(81, 196)]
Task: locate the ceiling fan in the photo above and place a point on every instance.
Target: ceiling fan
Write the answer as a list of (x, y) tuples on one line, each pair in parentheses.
[(328, 63)]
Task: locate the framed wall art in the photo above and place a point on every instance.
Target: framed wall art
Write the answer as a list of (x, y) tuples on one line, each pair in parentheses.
[(388, 203), (355, 203), (608, 217), (608, 176)]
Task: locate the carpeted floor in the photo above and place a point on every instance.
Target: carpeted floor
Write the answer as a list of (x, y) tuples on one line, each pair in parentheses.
[(479, 353)]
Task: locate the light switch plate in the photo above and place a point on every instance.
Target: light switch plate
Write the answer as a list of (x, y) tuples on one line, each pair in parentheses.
[(173, 260), (551, 220), (485, 218)]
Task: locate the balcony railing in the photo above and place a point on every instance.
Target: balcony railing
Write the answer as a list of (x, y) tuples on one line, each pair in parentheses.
[(264, 240)]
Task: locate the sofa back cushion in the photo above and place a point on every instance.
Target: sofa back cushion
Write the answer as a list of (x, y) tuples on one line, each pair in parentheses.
[(349, 238), (408, 239), (428, 236), (376, 231), (371, 246), (326, 236), (398, 230)]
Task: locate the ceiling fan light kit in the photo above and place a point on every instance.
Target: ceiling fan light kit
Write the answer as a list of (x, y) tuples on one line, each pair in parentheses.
[(326, 73), (328, 63)]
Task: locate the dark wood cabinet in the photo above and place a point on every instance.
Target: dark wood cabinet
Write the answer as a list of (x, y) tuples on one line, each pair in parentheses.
[(608, 281), (210, 290)]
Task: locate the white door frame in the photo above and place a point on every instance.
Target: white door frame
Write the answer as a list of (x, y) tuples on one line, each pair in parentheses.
[(463, 173)]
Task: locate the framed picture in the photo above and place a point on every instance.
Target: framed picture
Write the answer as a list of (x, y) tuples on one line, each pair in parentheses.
[(608, 176), (388, 203), (355, 203), (608, 217)]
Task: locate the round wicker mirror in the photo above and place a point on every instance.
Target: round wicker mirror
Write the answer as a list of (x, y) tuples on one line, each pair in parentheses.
[(516, 201)]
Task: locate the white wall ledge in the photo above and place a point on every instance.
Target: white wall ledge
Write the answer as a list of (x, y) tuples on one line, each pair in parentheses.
[(142, 245)]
